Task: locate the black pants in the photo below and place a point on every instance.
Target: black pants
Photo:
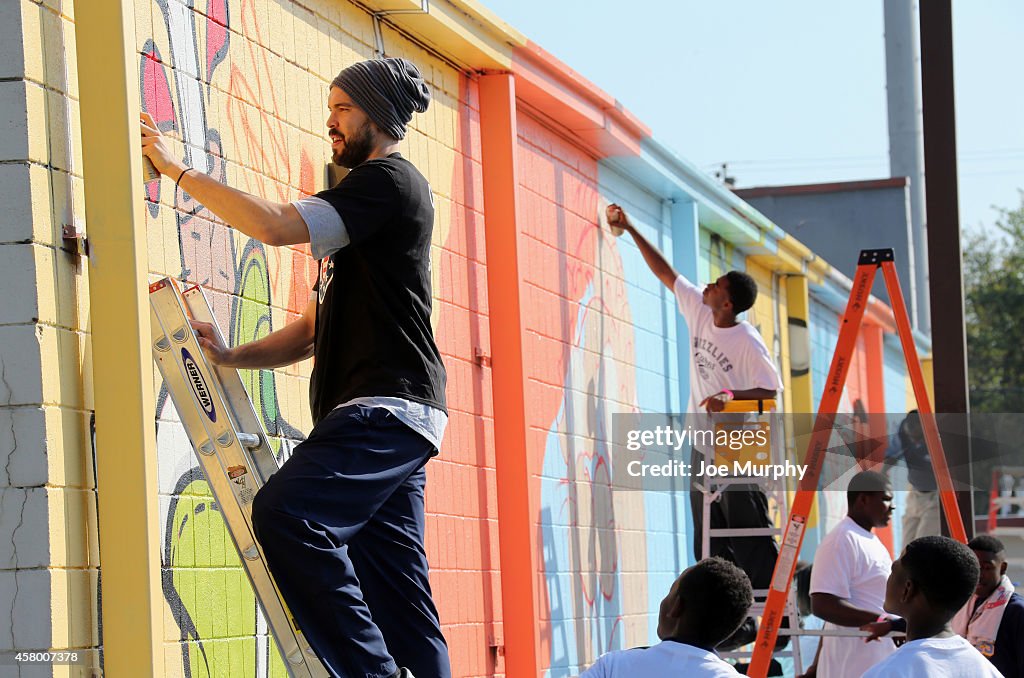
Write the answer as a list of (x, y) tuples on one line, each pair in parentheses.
[(737, 507), (341, 525)]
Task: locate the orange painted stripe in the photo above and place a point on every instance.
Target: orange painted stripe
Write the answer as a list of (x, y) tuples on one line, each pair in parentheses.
[(499, 145)]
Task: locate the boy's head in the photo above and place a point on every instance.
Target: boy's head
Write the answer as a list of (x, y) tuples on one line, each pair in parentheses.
[(991, 555), (706, 603), (931, 581), (869, 499), (735, 291)]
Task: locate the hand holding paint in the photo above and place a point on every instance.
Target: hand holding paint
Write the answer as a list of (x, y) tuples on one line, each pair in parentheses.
[(617, 220), (155, 148), (149, 172)]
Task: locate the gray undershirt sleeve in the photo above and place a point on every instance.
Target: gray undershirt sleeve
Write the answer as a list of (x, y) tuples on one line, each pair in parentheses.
[(327, 232)]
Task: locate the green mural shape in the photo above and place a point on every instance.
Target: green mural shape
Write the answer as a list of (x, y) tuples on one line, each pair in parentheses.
[(218, 606), (250, 320), (215, 594)]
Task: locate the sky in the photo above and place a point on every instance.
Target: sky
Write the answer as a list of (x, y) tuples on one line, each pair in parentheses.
[(791, 91)]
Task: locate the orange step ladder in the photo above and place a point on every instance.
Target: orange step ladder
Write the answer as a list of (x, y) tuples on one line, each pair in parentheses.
[(867, 266)]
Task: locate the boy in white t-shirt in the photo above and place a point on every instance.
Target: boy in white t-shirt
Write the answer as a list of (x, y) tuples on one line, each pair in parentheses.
[(848, 579), (705, 605), (728, 360), (929, 583)]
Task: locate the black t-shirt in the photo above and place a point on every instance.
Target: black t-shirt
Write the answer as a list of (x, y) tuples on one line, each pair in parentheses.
[(373, 335)]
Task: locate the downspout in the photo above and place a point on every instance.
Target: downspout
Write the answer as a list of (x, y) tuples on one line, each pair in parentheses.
[(378, 33)]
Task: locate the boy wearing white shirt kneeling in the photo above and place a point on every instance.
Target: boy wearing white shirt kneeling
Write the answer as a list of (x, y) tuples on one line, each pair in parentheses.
[(705, 606), (929, 583)]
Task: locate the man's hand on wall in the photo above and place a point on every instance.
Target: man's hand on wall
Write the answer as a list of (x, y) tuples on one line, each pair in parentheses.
[(617, 219), (156, 148)]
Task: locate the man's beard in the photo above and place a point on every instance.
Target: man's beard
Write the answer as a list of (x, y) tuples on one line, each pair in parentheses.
[(357, 148)]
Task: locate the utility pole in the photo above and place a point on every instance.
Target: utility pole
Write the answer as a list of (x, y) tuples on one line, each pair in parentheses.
[(949, 340)]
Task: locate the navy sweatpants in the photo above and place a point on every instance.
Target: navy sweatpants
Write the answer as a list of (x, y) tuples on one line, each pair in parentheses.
[(740, 505), (341, 525)]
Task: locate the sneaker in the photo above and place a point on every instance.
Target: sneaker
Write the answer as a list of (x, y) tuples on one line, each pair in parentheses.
[(405, 673)]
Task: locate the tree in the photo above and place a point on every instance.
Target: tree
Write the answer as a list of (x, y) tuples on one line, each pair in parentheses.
[(994, 308), (994, 315)]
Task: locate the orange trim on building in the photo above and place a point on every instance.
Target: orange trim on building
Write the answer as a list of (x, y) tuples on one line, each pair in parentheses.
[(560, 95), (499, 143)]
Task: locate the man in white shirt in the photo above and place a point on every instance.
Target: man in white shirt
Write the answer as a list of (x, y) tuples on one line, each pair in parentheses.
[(729, 360), (848, 579), (705, 605), (929, 583)]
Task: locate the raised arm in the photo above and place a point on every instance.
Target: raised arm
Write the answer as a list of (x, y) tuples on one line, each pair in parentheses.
[(269, 222), (290, 344), (655, 260)]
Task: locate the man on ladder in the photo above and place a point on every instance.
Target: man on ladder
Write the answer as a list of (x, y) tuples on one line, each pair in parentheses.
[(342, 523), (729, 360)]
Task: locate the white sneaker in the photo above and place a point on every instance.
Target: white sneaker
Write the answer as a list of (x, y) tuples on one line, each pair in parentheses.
[(405, 673)]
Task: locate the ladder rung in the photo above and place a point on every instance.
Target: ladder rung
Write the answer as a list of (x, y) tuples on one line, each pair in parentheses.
[(745, 532), (839, 633), (733, 480), (1007, 501), (250, 441)]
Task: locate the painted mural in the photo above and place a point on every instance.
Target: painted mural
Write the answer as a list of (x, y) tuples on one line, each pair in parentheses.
[(581, 370), (585, 520), (207, 75), (185, 76)]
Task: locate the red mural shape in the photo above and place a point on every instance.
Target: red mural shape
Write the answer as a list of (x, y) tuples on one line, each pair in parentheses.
[(156, 100), (216, 34)]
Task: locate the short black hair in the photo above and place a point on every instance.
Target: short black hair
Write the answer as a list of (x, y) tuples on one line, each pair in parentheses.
[(720, 594), (866, 482), (945, 571), (986, 543), (742, 290)]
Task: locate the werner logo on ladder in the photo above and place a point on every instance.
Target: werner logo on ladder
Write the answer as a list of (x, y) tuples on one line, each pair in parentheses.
[(867, 266)]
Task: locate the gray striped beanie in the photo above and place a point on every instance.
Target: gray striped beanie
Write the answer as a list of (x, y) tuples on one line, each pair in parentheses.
[(389, 90)]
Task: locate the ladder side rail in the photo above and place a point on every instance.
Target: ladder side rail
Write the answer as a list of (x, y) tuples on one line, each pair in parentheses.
[(212, 465), (947, 494), (814, 458), (993, 495)]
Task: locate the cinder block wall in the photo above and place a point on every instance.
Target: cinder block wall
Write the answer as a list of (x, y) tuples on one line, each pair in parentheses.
[(48, 543)]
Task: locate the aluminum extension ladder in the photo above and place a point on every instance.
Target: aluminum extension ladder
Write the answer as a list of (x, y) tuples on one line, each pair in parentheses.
[(753, 414), (231, 446)]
